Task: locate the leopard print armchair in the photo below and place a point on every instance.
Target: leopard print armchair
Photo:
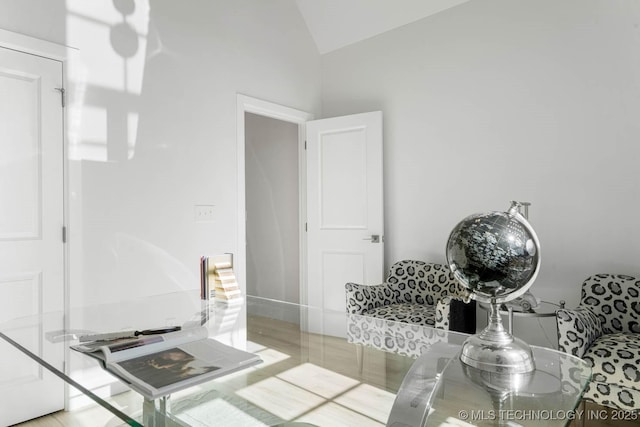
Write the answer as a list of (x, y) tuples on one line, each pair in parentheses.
[(604, 330), (415, 292)]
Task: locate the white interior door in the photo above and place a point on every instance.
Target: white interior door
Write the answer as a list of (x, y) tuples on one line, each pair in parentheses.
[(345, 220), (31, 221)]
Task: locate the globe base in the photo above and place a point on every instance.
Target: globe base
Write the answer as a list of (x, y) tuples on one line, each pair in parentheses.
[(496, 350), (512, 358)]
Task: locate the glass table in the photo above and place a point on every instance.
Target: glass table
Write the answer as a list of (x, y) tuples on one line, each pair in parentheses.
[(318, 367), (463, 395)]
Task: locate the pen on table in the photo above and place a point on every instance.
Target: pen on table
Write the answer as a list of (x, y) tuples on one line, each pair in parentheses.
[(110, 336)]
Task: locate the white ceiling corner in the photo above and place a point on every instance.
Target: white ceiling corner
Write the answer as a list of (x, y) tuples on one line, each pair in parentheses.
[(337, 23)]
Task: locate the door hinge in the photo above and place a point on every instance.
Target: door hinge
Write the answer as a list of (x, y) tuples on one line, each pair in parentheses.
[(305, 226), (64, 234), (62, 95), (305, 144)]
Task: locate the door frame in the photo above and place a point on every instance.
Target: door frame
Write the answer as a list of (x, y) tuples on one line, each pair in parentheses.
[(247, 104), (64, 54)]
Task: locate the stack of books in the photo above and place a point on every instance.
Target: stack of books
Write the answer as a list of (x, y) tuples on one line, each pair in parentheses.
[(226, 288), (219, 280)]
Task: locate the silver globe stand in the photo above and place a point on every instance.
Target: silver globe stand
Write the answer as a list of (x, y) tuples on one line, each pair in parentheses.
[(496, 350)]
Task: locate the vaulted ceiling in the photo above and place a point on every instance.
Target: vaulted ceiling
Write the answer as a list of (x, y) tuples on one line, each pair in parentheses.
[(337, 23)]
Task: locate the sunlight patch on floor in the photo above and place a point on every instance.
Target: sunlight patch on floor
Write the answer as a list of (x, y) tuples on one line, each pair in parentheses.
[(270, 357), (280, 398), (317, 380), (366, 399), (219, 412), (334, 415)]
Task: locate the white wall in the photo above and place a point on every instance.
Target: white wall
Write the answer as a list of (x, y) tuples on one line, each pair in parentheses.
[(490, 101), (153, 127), (272, 201), (496, 100)]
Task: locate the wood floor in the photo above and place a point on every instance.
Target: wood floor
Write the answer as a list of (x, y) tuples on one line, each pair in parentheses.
[(93, 416), (599, 416), (285, 338)]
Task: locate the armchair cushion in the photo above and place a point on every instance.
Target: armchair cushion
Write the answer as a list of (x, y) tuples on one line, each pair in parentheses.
[(362, 298), (425, 315), (615, 380), (577, 329), (423, 283), (615, 299)]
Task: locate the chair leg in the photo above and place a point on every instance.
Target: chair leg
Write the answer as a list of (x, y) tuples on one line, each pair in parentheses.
[(360, 357)]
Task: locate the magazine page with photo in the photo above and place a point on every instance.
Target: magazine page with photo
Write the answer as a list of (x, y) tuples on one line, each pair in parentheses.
[(158, 365)]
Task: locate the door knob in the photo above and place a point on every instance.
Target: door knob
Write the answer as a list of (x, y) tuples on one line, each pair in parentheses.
[(375, 238)]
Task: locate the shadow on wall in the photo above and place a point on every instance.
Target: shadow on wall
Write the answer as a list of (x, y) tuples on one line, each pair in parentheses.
[(129, 140), (112, 39)]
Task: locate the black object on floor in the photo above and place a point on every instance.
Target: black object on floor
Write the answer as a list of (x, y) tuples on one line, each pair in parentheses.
[(462, 317)]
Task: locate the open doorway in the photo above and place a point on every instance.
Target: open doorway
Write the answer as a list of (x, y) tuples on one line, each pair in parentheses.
[(271, 258), (272, 204)]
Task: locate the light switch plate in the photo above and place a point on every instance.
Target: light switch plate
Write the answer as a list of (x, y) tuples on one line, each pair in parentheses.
[(204, 213)]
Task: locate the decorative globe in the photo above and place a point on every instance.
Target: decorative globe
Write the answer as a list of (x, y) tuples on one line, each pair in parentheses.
[(495, 255)]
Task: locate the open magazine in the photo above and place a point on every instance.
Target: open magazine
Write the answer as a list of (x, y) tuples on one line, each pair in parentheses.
[(158, 365)]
